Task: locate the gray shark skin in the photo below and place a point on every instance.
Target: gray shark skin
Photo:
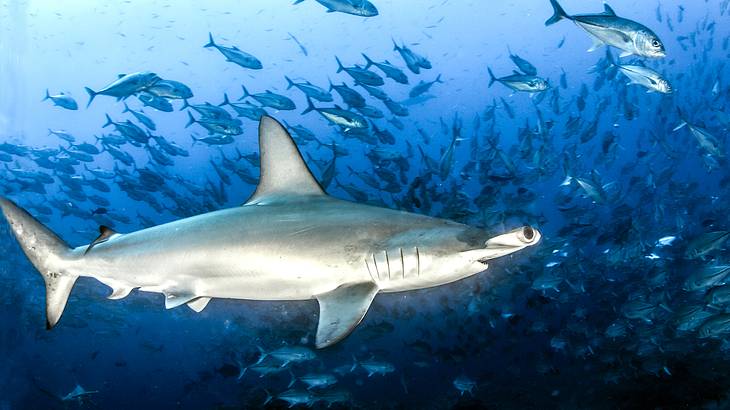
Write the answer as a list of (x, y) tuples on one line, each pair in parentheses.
[(289, 241)]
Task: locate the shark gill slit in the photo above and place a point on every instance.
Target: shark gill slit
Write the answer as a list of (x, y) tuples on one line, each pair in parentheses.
[(375, 261), (402, 264), (387, 262), (369, 271)]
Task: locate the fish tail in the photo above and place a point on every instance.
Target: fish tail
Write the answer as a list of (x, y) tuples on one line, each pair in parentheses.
[(47, 97), (92, 94), (126, 108), (269, 397), (492, 78), (185, 104), (438, 79), (340, 67), (368, 61), (47, 252), (558, 13), (191, 120), (245, 92), (310, 106), (290, 83), (211, 43), (226, 101), (108, 121)]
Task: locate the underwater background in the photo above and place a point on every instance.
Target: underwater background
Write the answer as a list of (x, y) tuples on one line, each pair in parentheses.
[(622, 305)]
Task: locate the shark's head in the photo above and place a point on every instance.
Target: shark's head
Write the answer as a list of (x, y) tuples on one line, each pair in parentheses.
[(507, 243), (451, 252)]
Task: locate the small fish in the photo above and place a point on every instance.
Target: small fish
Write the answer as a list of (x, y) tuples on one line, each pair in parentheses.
[(62, 100)]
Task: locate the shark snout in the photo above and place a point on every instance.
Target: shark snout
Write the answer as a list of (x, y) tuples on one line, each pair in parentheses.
[(518, 238)]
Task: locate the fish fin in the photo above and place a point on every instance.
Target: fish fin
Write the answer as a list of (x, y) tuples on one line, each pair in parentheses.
[(48, 254), (340, 67), (341, 310), (211, 43), (199, 304), (119, 290), (596, 44), (492, 78), (290, 83), (173, 300), (104, 234), (558, 13), (680, 125), (625, 54), (607, 10), (283, 170), (92, 94)]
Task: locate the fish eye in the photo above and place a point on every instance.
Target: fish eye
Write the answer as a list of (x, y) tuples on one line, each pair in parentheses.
[(655, 43)]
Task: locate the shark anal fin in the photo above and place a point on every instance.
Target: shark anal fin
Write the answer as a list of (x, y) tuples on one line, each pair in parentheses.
[(283, 170), (199, 304), (341, 310), (105, 233), (173, 300)]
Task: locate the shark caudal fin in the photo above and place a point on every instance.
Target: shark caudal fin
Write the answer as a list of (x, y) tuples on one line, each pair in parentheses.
[(47, 252)]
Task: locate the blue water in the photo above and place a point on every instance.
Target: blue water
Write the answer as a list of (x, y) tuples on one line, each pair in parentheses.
[(521, 344)]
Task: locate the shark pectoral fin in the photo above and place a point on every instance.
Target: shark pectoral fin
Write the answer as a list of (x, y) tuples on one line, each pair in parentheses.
[(341, 310), (284, 174), (105, 233), (174, 300), (198, 304)]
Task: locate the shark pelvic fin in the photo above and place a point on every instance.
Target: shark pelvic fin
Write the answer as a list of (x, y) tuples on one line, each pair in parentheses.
[(104, 234), (341, 310), (119, 290), (283, 170), (198, 304)]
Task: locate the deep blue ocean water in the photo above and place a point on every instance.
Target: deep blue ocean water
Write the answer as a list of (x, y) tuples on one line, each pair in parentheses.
[(621, 305)]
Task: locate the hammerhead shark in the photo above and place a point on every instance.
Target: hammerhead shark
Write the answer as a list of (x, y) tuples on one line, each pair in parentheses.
[(289, 241)]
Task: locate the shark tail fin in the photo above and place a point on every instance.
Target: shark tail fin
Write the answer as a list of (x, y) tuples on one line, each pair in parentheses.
[(47, 252), (558, 13), (492, 78)]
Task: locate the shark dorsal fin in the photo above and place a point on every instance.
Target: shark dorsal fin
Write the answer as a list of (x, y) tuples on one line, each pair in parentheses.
[(283, 170)]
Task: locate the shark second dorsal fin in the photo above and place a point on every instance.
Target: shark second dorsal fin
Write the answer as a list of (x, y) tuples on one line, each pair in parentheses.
[(104, 234), (283, 170)]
